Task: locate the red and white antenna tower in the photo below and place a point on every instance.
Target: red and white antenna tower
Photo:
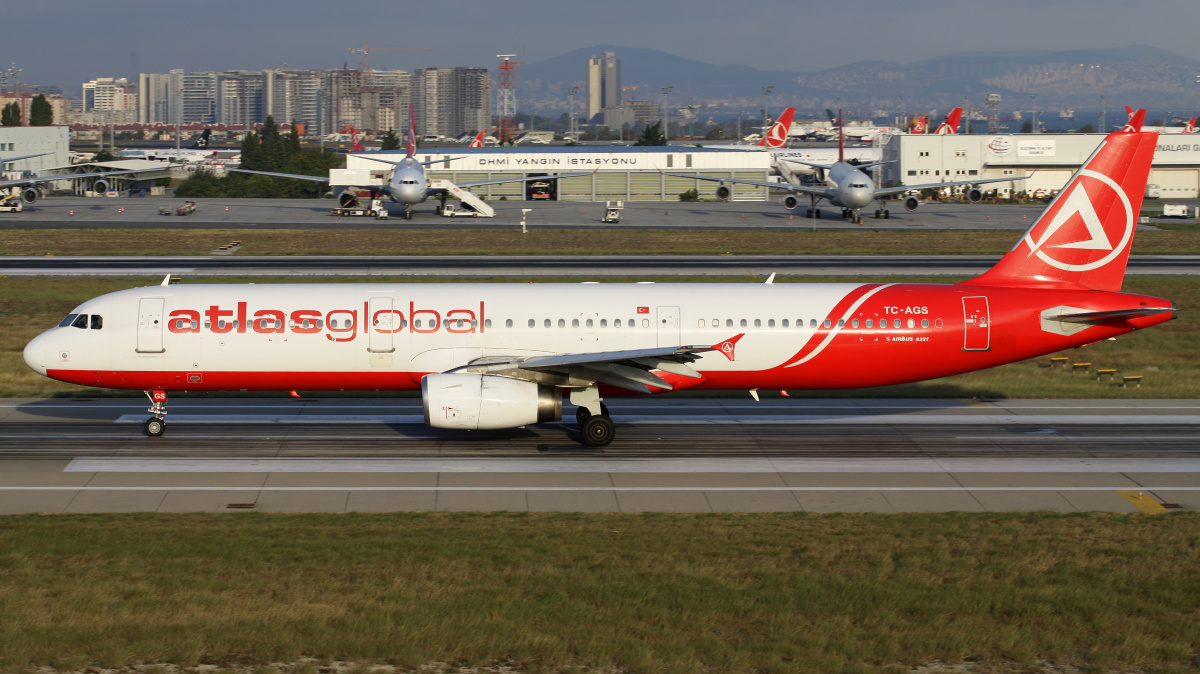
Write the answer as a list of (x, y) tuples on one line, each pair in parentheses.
[(506, 97)]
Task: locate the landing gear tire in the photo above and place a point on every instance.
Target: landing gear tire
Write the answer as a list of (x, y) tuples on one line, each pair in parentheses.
[(808, 213), (886, 215), (817, 214), (583, 414), (154, 427), (878, 213), (598, 430)]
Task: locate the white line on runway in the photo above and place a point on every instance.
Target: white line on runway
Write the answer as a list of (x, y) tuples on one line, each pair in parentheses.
[(483, 465), (804, 405), (544, 488), (723, 420), (1038, 437)]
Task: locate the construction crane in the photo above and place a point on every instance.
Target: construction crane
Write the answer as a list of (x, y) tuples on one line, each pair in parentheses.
[(367, 49)]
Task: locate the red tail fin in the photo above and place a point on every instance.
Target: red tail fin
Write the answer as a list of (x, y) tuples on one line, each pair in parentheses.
[(919, 125), (1190, 127), (355, 145), (412, 132), (1082, 240), (478, 142), (1135, 122), (951, 123), (1129, 112), (778, 134)]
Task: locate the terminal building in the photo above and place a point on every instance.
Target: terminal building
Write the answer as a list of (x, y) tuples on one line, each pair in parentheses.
[(1047, 160), (626, 173), (18, 141)]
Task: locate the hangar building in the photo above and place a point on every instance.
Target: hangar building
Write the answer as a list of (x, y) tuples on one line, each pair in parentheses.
[(627, 173), (18, 141), (1047, 159)]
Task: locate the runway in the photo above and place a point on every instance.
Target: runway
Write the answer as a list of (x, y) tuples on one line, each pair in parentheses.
[(464, 266), (671, 454)]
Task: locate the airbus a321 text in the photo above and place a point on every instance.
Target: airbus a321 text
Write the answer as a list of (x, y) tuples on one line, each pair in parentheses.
[(496, 356)]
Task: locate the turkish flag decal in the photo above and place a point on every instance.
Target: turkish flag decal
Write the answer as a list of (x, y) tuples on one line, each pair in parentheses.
[(643, 310)]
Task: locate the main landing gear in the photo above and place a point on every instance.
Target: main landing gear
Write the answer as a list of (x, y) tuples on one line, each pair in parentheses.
[(813, 213), (882, 213), (156, 425), (594, 421)]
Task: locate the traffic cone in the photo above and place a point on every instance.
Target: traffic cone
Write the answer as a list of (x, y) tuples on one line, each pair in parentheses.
[(72, 212), (226, 209), (791, 217), (1024, 217)]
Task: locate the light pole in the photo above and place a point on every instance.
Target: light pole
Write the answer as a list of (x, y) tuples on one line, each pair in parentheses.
[(666, 115), (1103, 115), (766, 95), (1033, 111), (966, 115), (571, 114)]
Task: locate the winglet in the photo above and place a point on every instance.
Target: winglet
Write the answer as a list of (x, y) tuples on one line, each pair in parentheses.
[(166, 280), (771, 279), (726, 347)]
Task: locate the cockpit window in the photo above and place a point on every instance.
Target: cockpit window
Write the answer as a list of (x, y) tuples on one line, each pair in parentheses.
[(68, 320), (80, 322), (97, 322)]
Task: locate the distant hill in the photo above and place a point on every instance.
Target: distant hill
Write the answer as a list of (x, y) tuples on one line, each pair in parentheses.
[(1134, 75)]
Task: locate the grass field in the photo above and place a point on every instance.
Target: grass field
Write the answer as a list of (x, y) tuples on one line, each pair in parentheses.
[(541, 242), (1165, 355), (631, 593)]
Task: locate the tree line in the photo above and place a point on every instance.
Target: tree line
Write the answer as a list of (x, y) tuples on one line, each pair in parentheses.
[(267, 150), (40, 113)]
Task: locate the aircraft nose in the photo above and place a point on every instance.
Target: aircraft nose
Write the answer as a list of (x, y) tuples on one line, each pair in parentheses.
[(35, 354)]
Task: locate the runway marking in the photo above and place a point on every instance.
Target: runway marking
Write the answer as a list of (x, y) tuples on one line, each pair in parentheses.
[(724, 420), (806, 404), (1088, 438), (486, 465), (589, 489), (1142, 502)]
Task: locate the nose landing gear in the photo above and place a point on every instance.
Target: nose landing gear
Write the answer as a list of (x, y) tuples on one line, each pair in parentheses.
[(156, 425)]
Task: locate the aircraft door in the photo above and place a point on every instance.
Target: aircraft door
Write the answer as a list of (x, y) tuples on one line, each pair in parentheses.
[(383, 323), (668, 326), (150, 325), (977, 324)]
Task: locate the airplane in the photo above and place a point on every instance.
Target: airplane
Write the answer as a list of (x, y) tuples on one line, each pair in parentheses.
[(1190, 127), (777, 135), (950, 124), (478, 140), (490, 356), (408, 185), (34, 188), (845, 185), (920, 125)]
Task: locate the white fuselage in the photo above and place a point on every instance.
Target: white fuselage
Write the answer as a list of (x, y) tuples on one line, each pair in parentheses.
[(849, 187), (408, 185)]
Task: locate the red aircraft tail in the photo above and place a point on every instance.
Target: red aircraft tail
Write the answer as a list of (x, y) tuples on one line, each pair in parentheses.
[(777, 136), (1135, 122), (1190, 127), (920, 124), (1082, 240), (355, 144), (412, 132), (951, 123), (478, 141)]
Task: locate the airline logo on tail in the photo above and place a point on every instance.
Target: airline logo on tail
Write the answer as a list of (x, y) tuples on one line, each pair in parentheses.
[(412, 132), (1190, 127), (1088, 189), (778, 134), (355, 144), (950, 125), (478, 141), (202, 142), (919, 125)]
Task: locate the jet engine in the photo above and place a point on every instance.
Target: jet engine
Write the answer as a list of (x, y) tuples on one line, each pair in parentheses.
[(484, 402), (30, 195), (790, 202), (723, 192), (974, 195), (348, 199), (911, 203), (100, 186)]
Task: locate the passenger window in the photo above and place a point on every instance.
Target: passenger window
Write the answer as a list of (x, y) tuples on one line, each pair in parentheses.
[(812, 323), (574, 322), (828, 323), (532, 323), (589, 322), (97, 322), (562, 323), (896, 323), (758, 322), (784, 324), (729, 322), (870, 323), (68, 320), (716, 322), (911, 324), (645, 322), (841, 322), (617, 323), (854, 323), (924, 322), (743, 322), (604, 322), (630, 323), (80, 322), (546, 322), (700, 324)]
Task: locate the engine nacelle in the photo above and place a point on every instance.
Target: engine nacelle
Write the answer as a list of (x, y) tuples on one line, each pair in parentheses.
[(347, 199), (483, 402), (974, 195), (100, 186), (723, 192), (911, 203), (30, 195), (790, 202)]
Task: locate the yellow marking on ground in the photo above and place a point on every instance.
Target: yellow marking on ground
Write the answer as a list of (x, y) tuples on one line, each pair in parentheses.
[(1142, 501)]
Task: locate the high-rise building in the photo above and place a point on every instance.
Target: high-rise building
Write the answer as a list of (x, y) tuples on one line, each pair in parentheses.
[(293, 95), (603, 83), (110, 100), (240, 98), (375, 103), (451, 101)]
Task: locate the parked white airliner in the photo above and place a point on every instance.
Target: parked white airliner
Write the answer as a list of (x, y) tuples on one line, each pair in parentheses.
[(408, 185)]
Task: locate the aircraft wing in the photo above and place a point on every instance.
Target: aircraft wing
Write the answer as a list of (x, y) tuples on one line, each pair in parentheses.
[(790, 187), (888, 191), (629, 370), (522, 180), (296, 176), (70, 176)]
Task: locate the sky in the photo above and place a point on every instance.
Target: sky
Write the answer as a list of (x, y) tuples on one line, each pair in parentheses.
[(67, 42)]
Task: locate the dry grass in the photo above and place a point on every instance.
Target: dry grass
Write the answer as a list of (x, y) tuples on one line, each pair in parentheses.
[(718, 593), (1165, 355), (539, 242)]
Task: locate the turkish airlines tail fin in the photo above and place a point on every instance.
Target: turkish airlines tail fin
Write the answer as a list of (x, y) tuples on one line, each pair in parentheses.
[(412, 132), (1190, 127), (1135, 122), (355, 144), (478, 141), (777, 136), (1082, 240), (950, 125)]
